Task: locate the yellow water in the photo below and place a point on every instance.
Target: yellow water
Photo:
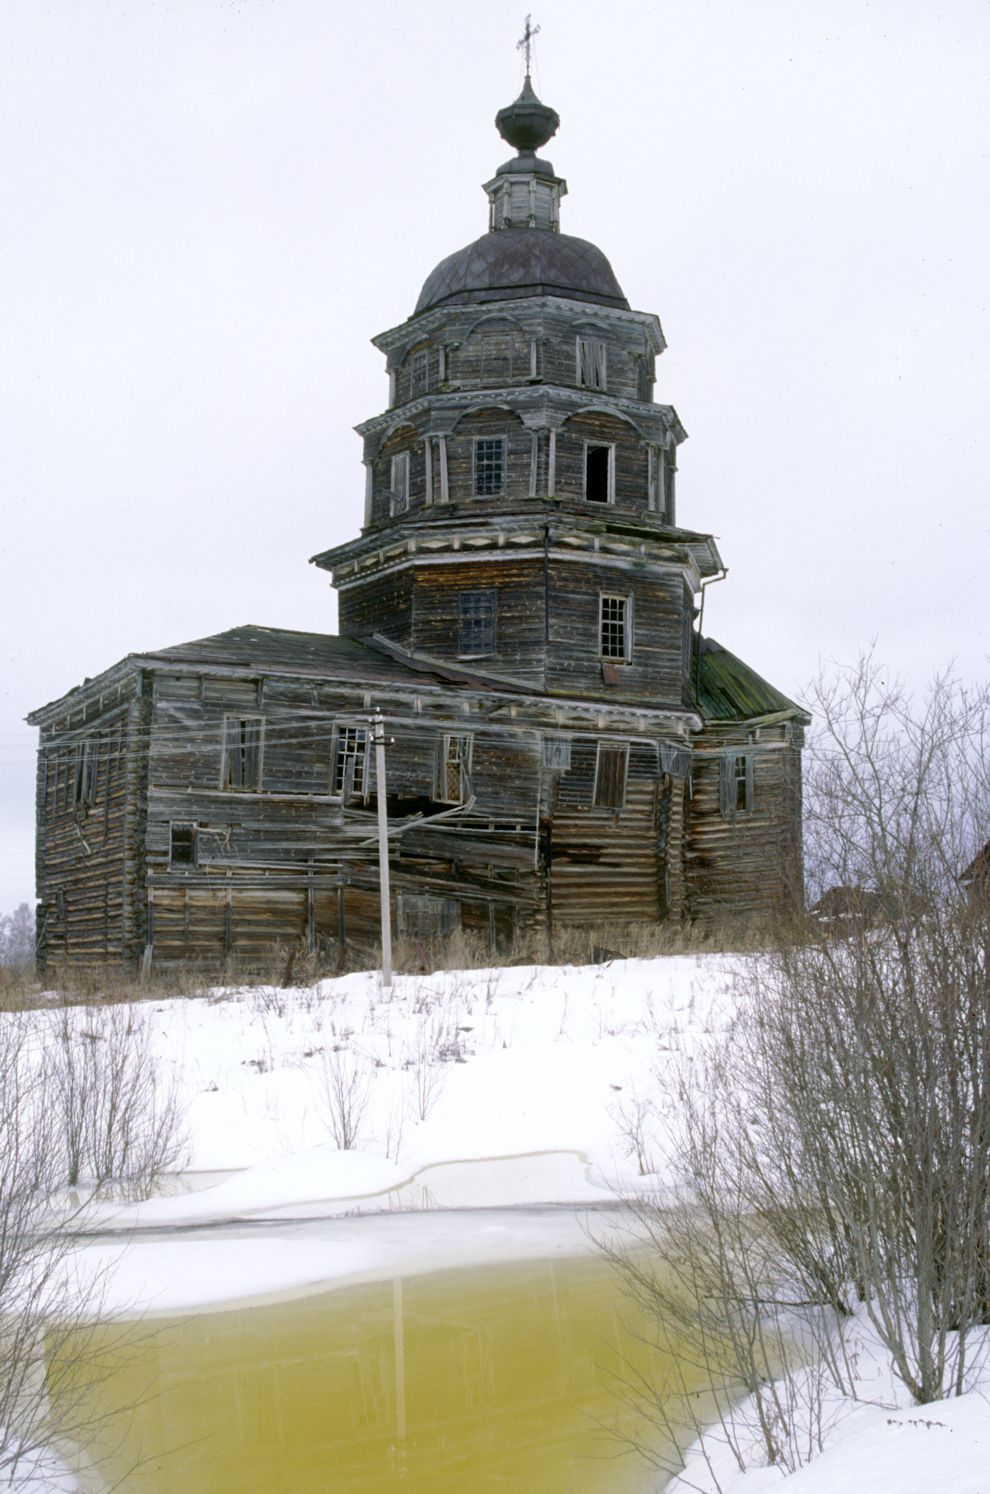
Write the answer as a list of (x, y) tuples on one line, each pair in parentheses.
[(485, 1378)]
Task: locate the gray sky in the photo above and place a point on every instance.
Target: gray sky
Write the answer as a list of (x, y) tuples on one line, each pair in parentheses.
[(207, 208)]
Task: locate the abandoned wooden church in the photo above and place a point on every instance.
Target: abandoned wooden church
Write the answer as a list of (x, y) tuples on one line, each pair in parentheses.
[(564, 746)]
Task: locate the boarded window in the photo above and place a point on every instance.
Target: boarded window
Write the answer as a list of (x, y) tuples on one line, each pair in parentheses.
[(591, 372), (87, 762), (556, 752), (423, 917), (182, 848), (614, 627), (735, 789), (399, 481), (241, 752), (454, 769), (420, 372), (476, 623), (489, 466), (350, 755), (610, 776)]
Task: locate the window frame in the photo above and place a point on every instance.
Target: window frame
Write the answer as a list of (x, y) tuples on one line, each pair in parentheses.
[(604, 598), (617, 801), (193, 862), (486, 628), (608, 446), (349, 744), (591, 362), (399, 483), (85, 772), (501, 442), (235, 783), (419, 373), (445, 764), (736, 787)]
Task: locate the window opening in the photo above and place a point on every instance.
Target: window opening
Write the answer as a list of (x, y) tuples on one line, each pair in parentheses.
[(86, 765), (489, 466), (599, 470), (556, 752), (241, 752), (736, 784), (349, 760), (476, 623), (454, 784), (423, 917), (420, 374), (400, 482), (614, 631), (610, 776), (183, 846), (591, 362)]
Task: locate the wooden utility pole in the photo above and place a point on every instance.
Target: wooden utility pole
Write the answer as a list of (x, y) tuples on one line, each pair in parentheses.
[(378, 737)]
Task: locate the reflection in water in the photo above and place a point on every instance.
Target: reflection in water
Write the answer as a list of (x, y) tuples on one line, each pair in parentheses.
[(493, 1377)]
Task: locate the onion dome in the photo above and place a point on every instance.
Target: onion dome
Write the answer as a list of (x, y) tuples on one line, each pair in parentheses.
[(524, 253)]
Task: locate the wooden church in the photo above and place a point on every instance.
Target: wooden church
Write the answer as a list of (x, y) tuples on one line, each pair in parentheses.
[(563, 745)]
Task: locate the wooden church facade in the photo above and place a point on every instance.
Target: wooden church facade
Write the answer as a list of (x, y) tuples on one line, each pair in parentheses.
[(563, 746)]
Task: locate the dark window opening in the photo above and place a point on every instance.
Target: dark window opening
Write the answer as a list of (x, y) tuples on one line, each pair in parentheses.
[(598, 474), (489, 466), (610, 776), (736, 784), (182, 844), (241, 752), (86, 766), (422, 917), (476, 623), (350, 754)]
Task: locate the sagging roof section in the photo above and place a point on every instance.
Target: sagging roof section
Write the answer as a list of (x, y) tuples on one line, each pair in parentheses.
[(726, 689)]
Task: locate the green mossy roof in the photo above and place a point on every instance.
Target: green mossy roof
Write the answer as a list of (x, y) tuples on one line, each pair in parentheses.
[(726, 689)]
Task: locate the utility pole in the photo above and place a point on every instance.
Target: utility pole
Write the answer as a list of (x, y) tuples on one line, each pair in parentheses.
[(378, 737)]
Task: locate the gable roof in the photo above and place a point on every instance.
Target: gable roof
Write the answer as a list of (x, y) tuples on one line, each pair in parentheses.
[(726, 689)]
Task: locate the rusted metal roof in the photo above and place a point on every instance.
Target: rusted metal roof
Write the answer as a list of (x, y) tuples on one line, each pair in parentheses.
[(516, 262), (726, 689)]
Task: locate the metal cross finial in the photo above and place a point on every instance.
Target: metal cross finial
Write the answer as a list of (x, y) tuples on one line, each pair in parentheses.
[(525, 43)]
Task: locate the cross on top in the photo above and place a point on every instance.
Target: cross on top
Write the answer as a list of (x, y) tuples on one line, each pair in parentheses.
[(525, 43)]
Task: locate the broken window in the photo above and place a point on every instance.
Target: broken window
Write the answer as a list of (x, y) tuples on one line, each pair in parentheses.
[(614, 627), (489, 466), (399, 482), (182, 846), (556, 752), (610, 776), (599, 473), (454, 769), (241, 752), (86, 766), (735, 783), (591, 362), (350, 756), (476, 623), (420, 372)]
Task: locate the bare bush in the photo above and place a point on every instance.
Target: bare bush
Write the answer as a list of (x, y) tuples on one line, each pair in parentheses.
[(835, 1147), (343, 1093), (117, 1113), (44, 1292)]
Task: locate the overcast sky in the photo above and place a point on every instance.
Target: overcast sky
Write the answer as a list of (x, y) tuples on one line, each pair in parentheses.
[(207, 207)]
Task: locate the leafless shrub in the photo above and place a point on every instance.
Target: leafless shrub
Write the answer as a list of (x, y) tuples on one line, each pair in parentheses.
[(835, 1147), (635, 1115), (117, 1114), (343, 1093), (44, 1292)]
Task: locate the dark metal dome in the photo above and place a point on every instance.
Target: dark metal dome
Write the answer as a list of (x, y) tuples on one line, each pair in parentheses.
[(519, 262)]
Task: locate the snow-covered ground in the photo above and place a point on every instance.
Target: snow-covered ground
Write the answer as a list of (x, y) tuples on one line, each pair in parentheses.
[(508, 1094)]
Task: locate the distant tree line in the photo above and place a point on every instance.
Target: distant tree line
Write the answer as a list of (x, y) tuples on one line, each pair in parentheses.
[(17, 938)]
